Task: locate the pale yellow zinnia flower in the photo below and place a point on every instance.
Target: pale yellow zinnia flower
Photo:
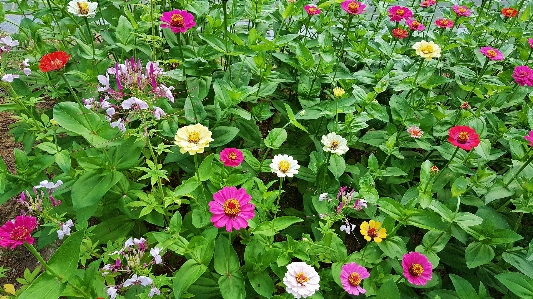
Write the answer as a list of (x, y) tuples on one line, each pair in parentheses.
[(427, 50), (193, 139), (338, 92)]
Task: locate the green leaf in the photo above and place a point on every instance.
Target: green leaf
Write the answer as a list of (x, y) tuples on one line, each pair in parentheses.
[(187, 187), (518, 283), (124, 30), (65, 259), (497, 191), (175, 223), (503, 236), (262, 283), (337, 166), (232, 286), (45, 286), (293, 120), (270, 228), (459, 186), (194, 110), (225, 262), (373, 163), (478, 254), (205, 169), (223, 135), (393, 247), (63, 160), (84, 123), (188, 273), (113, 229), (388, 290), (92, 186), (463, 287), (275, 138), (520, 262)]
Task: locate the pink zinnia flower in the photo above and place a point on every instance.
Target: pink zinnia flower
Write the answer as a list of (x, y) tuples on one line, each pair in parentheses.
[(444, 23), (231, 157), (231, 208), (530, 42), (491, 53), (415, 132), (416, 268), (177, 20), (428, 3), (397, 13), (312, 10), (353, 7), (414, 25), (529, 138), (463, 137), (461, 10), (351, 277), (16, 232), (523, 75)]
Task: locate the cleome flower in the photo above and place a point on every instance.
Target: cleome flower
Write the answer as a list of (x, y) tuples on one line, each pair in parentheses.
[(463, 137), (427, 50), (301, 280), (193, 139), (17, 231), (82, 8), (372, 230), (179, 21), (334, 143), (284, 165), (351, 277), (231, 208), (416, 268)]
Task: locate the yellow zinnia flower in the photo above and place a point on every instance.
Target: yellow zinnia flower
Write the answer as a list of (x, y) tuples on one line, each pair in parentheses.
[(427, 50), (371, 230), (338, 92), (193, 139)]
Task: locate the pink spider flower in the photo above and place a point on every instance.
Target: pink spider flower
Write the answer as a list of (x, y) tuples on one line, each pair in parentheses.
[(416, 268), (177, 20), (15, 232), (491, 53), (398, 13), (231, 208)]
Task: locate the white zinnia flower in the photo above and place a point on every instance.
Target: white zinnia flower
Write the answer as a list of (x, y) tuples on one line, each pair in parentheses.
[(284, 165), (301, 280), (334, 143), (82, 8)]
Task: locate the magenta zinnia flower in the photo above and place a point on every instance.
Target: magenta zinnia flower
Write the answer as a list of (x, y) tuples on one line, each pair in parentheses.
[(177, 20), (444, 23), (416, 268), (16, 232), (491, 53), (428, 3), (397, 13), (461, 10), (463, 137), (414, 25), (353, 7), (312, 10), (231, 207), (231, 157), (530, 42), (529, 138), (523, 75), (351, 277)]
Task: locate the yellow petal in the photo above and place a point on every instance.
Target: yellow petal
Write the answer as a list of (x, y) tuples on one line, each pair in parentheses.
[(368, 238), (9, 288), (372, 223), (364, 226), (377, 225), (382, 233), (378, 239)]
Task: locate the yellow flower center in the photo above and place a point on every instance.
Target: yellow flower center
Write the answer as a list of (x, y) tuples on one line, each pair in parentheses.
[(56, 63), (284, 166), (462, 138), (461, 9), (416, 269), (312, 10), (83, 8), (426, 49), (491, 53), (353, 6), (18, 233), (372, 232), (232, 156), (444, 22), (301, 278), (193, 137), (354, 279), (232, 207), (177, 20), (400, 12), (415, 24), (334, 144)]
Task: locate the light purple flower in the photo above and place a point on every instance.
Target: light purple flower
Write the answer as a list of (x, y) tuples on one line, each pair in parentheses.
[(9, 77), (110, 111), (348, 228), (155, 253), (9, 42), (104, 80), (119, 124), (323, 197), (158, 112), (64, 229), (142, 280), (26, 62), (112, 292), (26, 71), (134, 103), (154, 291), (49, 185)]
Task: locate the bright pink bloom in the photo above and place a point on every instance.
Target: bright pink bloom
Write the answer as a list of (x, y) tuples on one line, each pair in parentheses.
[(428, 3), (399, 33), (353, 7), (444, 23), (461, 11), (416, 268), (398, 13), (312, 10), (463, 137), (530, 42), (491, 53), (231, 208), (177, 20), (414, 25), (231, 157), (529, 138), (523, 75), (351, 277), (16, 232)]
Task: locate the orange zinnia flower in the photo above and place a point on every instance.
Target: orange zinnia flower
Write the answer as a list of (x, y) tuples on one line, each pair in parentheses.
[(53, 61)]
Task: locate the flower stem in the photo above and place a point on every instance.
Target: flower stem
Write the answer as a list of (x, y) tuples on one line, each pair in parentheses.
[(483, 69), (418, 71), (440, 172), (279, 196), (225, 9), (90, 35), (511, 180), (229, 254)]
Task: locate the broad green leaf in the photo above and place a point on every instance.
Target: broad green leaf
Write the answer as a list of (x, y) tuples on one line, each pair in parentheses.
[(175, 223), (262, 283), (124, 30), (205, 169), (275, 138), (463, 287), (232, 286), (188, 273), (517, 283), (478, 254), (92, 186), (187, 187), (223, 135), (520, 262), (113, 229), (225, 262), (45, 286), (62, 159), (393, 247), (194, 110), (270, 228), (65, 260), (459, 186), (388, 290), (336, 165)]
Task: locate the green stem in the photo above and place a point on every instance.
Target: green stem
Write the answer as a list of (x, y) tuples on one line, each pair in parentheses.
[(341, 49), (225, 9), (229, 254), (196, 167), (90, 35), (512, 179), (263, 160), (483, 69), (279, 196), (418, 71), (440, 172)]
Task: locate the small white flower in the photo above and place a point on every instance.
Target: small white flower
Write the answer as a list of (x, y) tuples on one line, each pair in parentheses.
[(9, 41), (323, 197), (155, 253), (154, 291), (26, 71), (82, 8), (49, 185), (334, 143), (9, 77), (110, 111), (26, 62), (142, 280), (134, 103), (104, 80), (158, 112), (64, 229), (348, 228), (301, 280), (119, 124), (284, 165), (112, 292)]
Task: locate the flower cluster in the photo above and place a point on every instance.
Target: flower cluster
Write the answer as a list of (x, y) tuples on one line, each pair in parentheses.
[(6, 44), (64, 229), (34, 203), (231, 207)]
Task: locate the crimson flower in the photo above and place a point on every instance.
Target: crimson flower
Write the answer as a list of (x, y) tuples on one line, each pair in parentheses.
[(416, 268), (414, 25), (53, 61), (509, 12), (463, 137), (16, 232), (523, 75), (177, 20), (461, 10), (444, 23), (311, 10), (428, 3), (353, 7), (399, 33)]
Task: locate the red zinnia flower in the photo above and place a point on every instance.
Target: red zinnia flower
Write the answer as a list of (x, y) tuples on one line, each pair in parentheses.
[(53, 61), (444, 23), (509, 12), (16, 232), (414, 24), (463, 137), (399, 33)]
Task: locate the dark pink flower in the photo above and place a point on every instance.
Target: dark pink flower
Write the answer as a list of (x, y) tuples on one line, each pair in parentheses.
[(463, 137), (529, 138), (351, 277), (312, 10), (416, 268), (444, 23), (231, 208), (177, 20), (415, 25), (530, 42), (428, 3), (399, 33), (16, 232), (491, 53), (353, 7), (231, 157), (398, 13), (461, 10), (523, 75)]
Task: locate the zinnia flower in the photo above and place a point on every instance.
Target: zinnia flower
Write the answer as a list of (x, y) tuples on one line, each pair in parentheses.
[(16, 232), (301, 280), (53, 61), (177, 20), (231, 208), (338, 92), (82, 8), (311, 9), (509, 12), (465, 105), (444, 23), (491, 53), (463, 137), (231, 157), (398, 13), (461, 10), (434, 169), (416, 268), (523, 75), (529, 138), (415, 132), (371, 230), (530, 42), (351, 277), (427, 50), (353, 7), (428, 3), (414, 25), (193, 139), (399, 33), (284, 165), (334, 143)]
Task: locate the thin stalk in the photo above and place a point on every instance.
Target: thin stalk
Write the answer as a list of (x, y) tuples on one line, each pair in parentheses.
[(512, 179), (225, 9), (184, 73), (483, 69), (440, 172), (279, 196), (57, 24), (229, 254), (89, 31), (418, 71)]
